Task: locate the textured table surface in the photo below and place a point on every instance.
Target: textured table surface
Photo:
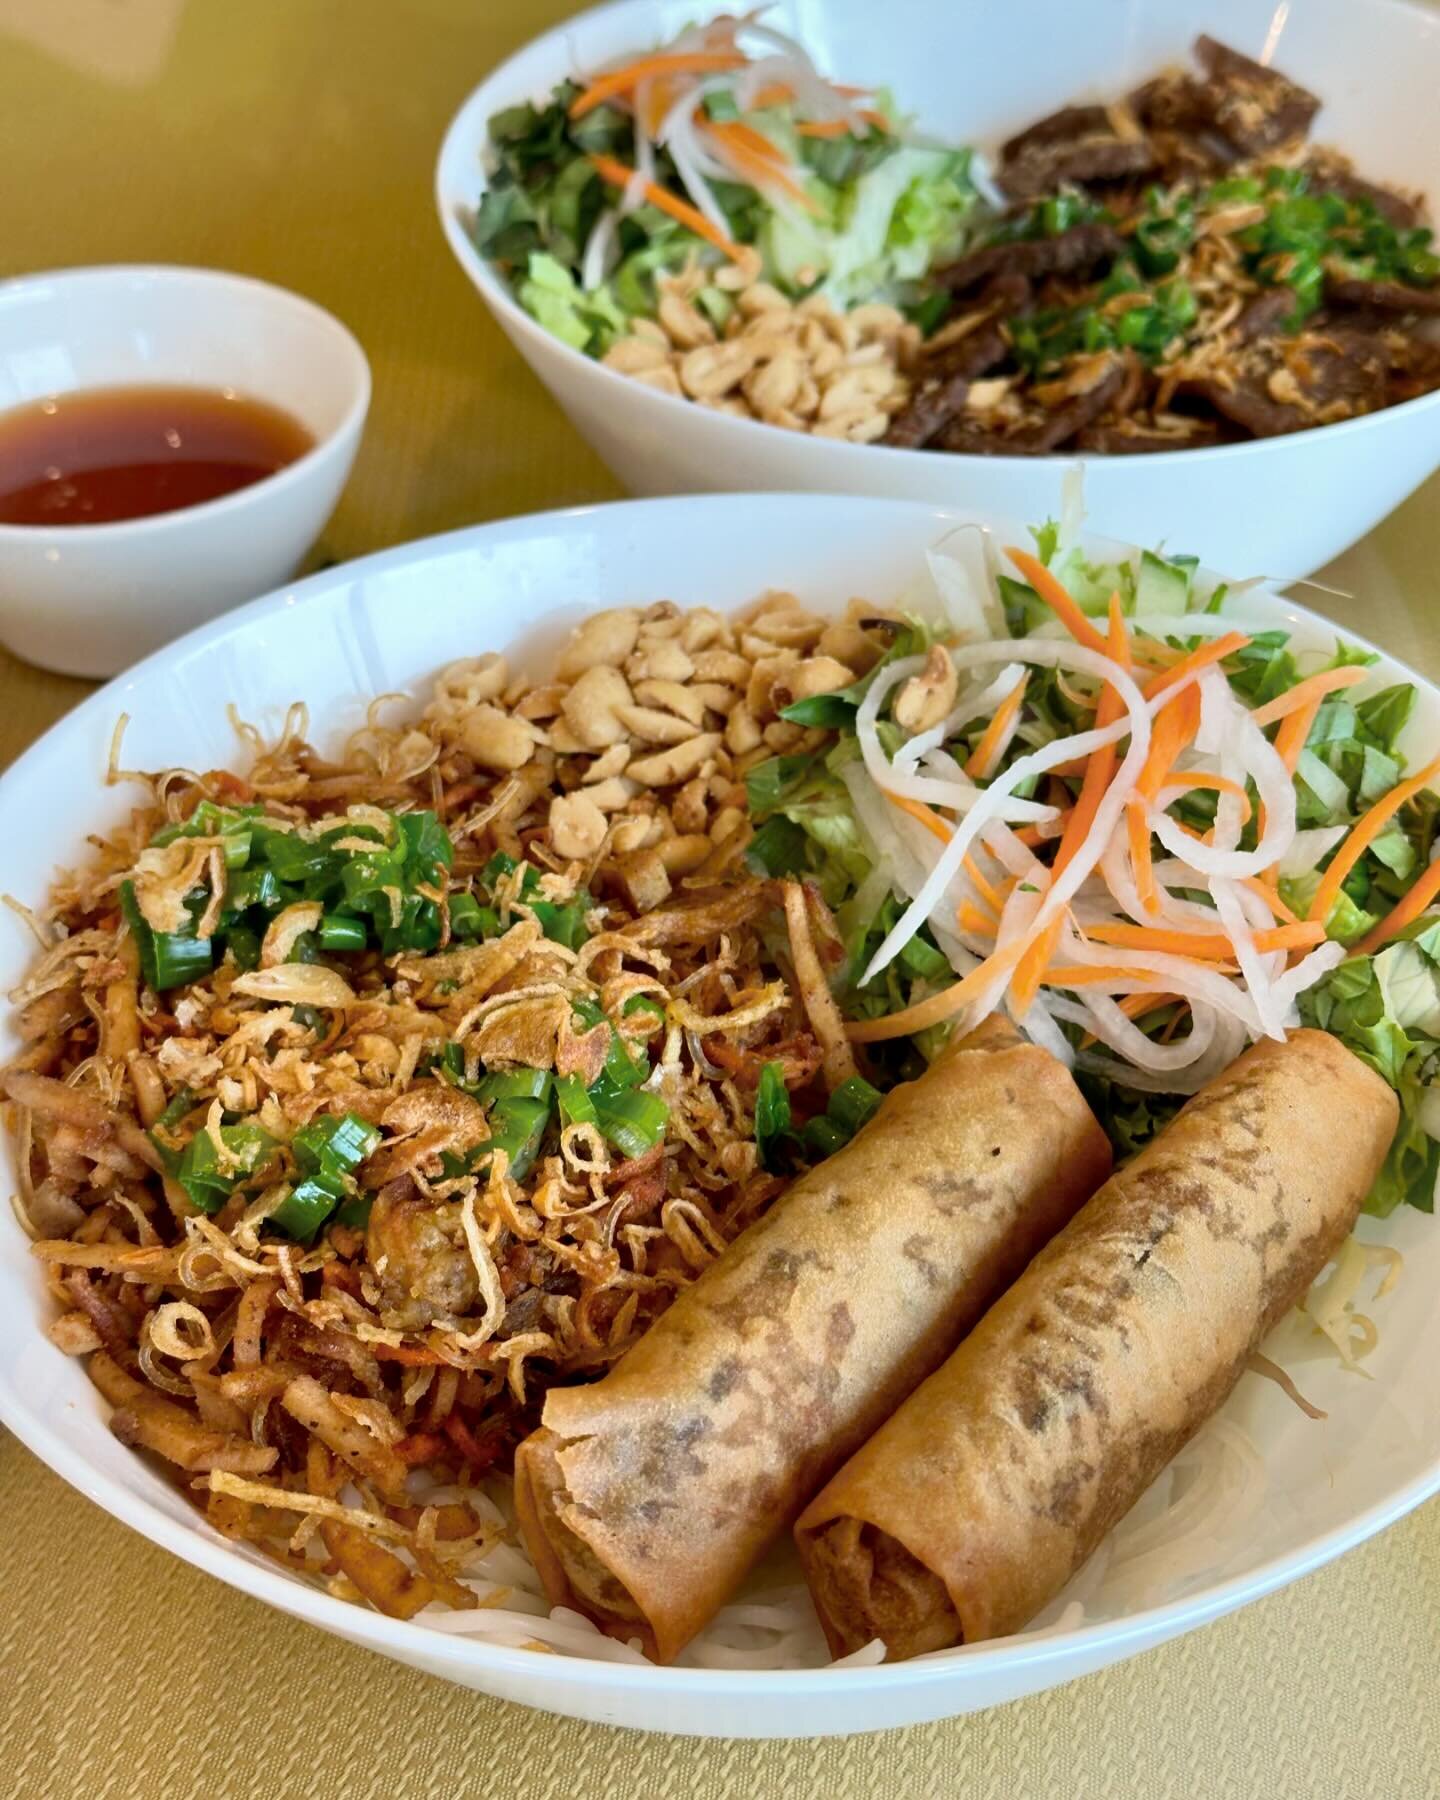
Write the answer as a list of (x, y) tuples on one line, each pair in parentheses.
[(294, 139)]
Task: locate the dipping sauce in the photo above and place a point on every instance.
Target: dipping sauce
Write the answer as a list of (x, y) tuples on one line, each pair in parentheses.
[(96, 457)]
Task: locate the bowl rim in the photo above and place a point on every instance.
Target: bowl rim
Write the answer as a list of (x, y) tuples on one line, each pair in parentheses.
[(196, 1543), (497, 294), (256, 292)]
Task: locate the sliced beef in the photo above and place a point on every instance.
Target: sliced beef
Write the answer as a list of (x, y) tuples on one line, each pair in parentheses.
[(1399, 209), (1170, 102), (951, 364), (1256, 108), (1128, 439), (1338, 375), (939, 396), (1043, 168), (1104, 382), (1264, 315), (1057, 128), (1079, 248), (1383, 296)]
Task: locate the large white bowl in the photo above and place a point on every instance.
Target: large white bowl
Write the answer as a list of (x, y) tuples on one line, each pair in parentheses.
[(388, 623), (971, 74)]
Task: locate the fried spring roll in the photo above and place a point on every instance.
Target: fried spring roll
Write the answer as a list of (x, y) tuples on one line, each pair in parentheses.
[(646, 1497), (970, 1510)]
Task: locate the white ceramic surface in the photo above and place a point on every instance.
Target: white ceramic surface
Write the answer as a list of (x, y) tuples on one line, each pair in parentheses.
[(970, 74), (389, 622), (91, 599)]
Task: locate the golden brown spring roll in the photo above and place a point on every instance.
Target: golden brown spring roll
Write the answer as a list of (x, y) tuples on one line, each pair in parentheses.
[(645, 1497), (970, 1510)]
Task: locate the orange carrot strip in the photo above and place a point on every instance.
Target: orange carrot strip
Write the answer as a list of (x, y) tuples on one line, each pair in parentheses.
[(979, 764), (621, 81), (917, 809), (1204, 946), (755, 165), (1092, 975), (938, 1007), (970, 918), (1404, 912), (1056, 598), (1306, 693), (1099, 771), (1294, 734), (1362, 833), (986, 889), (1137, 836), (1213, 652), (618, 175), (1272, 899)]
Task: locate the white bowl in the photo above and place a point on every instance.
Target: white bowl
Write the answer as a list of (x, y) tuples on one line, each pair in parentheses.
[(972, 74), (389, 622), (90, 599)]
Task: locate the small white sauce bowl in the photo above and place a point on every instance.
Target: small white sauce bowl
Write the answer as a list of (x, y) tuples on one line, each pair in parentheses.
[(92, 599)]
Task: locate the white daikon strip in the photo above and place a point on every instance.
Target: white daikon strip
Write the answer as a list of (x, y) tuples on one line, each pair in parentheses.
[(1310, 969), (599, 249), (978, 703), (1040, 1027), (1276, 789), (1099, 1014), (1160, 972), (957, 792), (991, 803), (1247, 954)]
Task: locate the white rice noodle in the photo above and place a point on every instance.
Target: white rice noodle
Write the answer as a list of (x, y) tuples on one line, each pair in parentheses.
[(992, 803), (1198, 625), (1309, 848)]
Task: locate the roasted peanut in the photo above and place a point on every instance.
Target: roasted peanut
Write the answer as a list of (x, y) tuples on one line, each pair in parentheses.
[(660, 661), (605, 638), (848, 644), (609, 762), (690, 808), (741, 731), (673, 697), (653, 727), (816, 675), (592, 705), (643, 879), (675, 764), (925, 699), (612, 794), (685, 326), (496, 740), (577, 826), (683, 855)]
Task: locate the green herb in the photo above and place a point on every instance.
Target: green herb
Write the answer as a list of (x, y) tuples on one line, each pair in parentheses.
[(772, 1117)]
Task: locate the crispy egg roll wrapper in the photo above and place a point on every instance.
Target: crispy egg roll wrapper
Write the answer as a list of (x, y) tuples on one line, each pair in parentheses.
[(972, 1507), (645, 1497)]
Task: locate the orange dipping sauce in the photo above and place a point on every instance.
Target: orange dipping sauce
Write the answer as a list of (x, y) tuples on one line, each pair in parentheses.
[(108, 454)]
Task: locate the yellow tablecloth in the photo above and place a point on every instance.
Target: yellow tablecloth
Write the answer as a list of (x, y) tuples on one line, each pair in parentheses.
[(294, 139)]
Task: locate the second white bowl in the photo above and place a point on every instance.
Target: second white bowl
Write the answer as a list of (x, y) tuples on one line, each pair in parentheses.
[(971, 75)]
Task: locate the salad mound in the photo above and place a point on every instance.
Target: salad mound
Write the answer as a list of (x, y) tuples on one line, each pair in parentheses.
[(705, 153), (1094, 795)]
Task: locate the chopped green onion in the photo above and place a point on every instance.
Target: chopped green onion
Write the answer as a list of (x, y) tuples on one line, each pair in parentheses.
[(304, 1210), (822, 1137), (516, 1084), (337, 931), (199, 1171), (168, 959), (853, 1104), (576, 1105), (772, 1115), (518, 1128), (631, 1119)]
